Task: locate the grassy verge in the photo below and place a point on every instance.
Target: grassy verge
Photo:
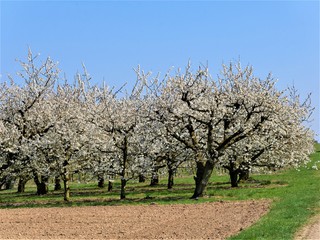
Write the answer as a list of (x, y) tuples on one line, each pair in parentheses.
[(293, 204), (295, 195)]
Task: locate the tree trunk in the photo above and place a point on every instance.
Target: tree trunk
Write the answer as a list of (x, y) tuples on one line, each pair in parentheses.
[(233, 173), (66, 179), (9, 183), (197, 179), (110, 185), (66, 187), (202, 178), (124, 167), (170, 178), (142, 178), (42, 184), (243, 175), (2, 182), (21, 185), (123, 188), (154, 179), (57, 185), (101, 182), (233, 177)]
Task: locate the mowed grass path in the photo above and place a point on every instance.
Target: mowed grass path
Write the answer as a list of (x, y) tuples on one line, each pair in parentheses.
[(295, 195)]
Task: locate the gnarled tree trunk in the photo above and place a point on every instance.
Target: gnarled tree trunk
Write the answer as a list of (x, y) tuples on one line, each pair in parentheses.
[(204, 172), (42, 184)]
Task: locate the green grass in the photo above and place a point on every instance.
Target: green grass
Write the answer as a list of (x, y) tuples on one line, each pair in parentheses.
[(293, 204), (294, 193)]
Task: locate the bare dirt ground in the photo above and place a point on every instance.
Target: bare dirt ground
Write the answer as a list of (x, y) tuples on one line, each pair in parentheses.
[(217, 220), (311, 231)]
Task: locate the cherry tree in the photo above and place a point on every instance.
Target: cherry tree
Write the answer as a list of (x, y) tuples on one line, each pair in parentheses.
[(163, 151), (22, 115), (212, 117), (282, 141), (271, 150), (68, 146), (119, 120)]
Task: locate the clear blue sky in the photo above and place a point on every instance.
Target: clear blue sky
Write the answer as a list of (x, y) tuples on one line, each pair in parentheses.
[(112, 37)]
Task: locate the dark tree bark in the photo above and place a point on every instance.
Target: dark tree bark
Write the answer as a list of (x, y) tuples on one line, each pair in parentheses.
[(42, 184), (203, 176), (66, 187), (2, 182), (199, 175), (22, 184), (233, 177), (66, 179), (101, 182), (57, 184), (124, 167), (243, 175), (123, 188), (154, 179), (170, 178), (142, 178), (233, 173), (110, 185), (9, 183)]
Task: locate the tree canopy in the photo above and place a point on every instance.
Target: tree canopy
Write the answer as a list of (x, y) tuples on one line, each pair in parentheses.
[(51, 127)]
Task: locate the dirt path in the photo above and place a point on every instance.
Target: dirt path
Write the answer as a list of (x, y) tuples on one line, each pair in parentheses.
[(217, 220), (311, 231)]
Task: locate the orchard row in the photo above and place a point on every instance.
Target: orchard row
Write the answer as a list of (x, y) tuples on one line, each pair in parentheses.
[(51, 128)]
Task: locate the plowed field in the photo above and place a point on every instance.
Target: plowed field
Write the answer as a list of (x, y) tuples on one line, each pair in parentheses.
[(216, 220)]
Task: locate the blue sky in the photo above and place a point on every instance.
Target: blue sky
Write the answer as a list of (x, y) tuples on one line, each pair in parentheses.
[(113, 37)]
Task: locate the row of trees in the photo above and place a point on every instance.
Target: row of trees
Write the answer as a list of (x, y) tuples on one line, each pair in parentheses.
[(51, 128)]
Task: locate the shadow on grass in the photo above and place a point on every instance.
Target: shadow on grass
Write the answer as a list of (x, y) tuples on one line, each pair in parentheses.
[(136, 194)]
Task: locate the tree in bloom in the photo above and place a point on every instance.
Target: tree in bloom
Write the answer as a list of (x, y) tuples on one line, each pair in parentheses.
[(213, 117), (282, 142), (66, 149), (23, 117), (119, 121)]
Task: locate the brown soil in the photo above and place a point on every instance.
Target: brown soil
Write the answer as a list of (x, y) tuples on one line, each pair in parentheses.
[(311, 230), (217, 220)]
